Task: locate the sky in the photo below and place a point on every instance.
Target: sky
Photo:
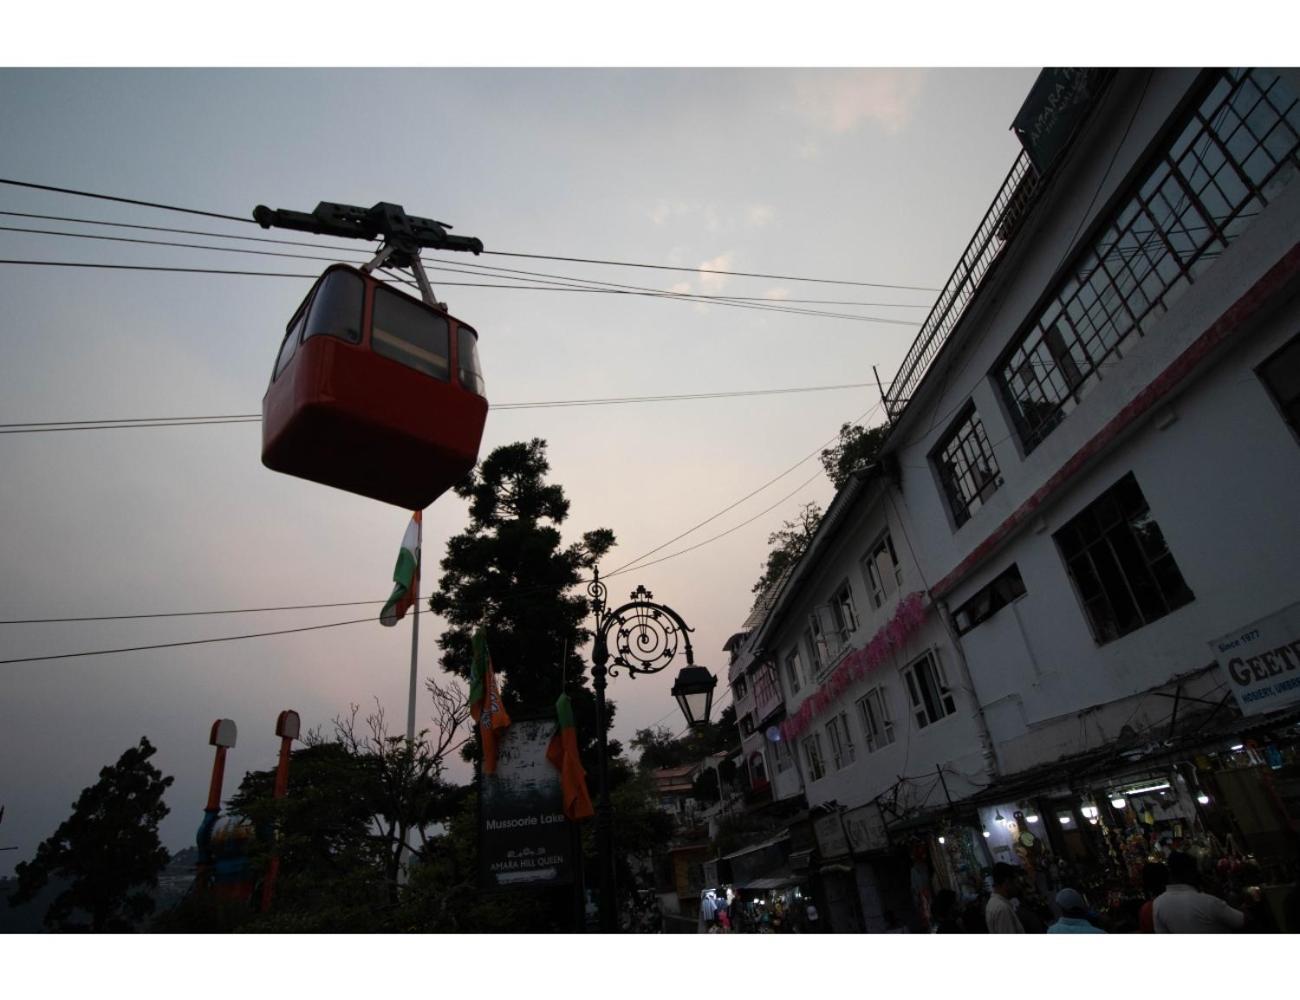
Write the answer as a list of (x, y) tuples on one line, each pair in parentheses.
[(856, 175)]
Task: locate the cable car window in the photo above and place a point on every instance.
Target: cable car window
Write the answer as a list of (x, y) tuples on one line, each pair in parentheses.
[(410, 333), (471, 372), (291, 337), (336, 310)]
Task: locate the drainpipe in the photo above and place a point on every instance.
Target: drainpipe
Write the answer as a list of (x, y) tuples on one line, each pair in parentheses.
[(986, 739)]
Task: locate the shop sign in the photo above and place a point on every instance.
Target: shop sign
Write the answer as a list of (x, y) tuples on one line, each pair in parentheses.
[(866, 829), (524, 838), (1058, 101), (1262, 661), (831, 840)]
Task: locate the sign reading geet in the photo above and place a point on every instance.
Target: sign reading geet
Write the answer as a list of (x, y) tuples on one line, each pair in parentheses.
[(866, 829), (1262, 661), (523, 836)]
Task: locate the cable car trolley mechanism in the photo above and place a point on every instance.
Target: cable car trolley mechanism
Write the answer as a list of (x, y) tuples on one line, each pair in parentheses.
[(375, 391)]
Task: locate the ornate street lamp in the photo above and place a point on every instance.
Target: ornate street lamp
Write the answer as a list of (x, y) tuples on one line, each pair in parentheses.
[(645, 639), (693, 690)]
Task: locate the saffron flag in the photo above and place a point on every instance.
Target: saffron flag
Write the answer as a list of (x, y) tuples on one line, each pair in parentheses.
[(406, 576), (563, 754), (485, 706)]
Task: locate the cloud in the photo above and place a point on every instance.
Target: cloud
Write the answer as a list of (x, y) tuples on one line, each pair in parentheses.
[(713, 283), (759, 216), (839, 102), (682, 288), (777, 293)]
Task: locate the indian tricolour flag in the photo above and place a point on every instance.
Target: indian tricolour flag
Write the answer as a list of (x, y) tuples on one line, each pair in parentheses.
[(406, 575)]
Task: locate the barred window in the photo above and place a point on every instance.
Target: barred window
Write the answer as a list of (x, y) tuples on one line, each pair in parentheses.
[(1116, 554), (966, 465), (765, 685), (1236, 151), (794, 671)]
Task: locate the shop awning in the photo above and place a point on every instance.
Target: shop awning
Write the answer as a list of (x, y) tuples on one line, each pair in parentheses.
[(772, 880), (756, 847)]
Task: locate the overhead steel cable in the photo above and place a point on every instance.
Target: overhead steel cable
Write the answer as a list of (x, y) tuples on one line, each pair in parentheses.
[(132, 423), (533, 284), (125, 201), (497, 253), (464, 264)]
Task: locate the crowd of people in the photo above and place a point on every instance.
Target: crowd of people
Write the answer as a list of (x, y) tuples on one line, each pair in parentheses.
[(1173, 903)]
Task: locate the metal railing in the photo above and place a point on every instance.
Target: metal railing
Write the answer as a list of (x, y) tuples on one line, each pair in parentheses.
[(990, 238)]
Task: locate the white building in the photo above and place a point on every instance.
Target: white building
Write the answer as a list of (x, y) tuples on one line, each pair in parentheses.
[(1092, 474)]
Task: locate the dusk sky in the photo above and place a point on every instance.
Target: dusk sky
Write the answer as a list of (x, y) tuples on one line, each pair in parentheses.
[(873, 176)]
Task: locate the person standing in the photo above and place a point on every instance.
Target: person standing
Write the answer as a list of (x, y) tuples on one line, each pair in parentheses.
[(1183, 909), (1155, 879), (999, 914), (1074, 915)]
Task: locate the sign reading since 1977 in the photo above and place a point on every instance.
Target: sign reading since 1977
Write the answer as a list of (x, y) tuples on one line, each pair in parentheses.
[(1262, 661)]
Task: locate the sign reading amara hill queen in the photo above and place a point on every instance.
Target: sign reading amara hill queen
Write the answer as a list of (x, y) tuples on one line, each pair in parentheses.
[(523, 836), (1262, 661)]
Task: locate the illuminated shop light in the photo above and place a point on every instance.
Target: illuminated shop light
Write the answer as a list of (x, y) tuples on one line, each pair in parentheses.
[(1063, 819), (1119, 802), (1148, 788)]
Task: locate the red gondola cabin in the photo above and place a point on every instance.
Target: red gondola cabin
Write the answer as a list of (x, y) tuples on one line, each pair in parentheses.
[(375, 393)]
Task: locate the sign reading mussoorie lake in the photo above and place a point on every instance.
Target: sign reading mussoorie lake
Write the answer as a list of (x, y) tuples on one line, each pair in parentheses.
[(1262, 661), (524, 838)]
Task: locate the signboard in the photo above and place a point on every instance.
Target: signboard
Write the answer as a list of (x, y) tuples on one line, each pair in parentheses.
[(866, 829), (1059, 100), (1262, 662), (524, 838), (831, 840)]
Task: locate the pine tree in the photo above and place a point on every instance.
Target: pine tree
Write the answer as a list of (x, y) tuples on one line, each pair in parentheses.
[(108, 848), (510, 572)]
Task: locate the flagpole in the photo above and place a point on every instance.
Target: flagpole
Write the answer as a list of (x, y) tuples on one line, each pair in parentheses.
[(415, 630)]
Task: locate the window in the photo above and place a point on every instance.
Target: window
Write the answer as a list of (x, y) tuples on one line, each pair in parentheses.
[(1233, 154), (876, 721), (739, 688), (336, 308), (812, 755), (292, 334), (927, 687), (765, 685), (1004, 589), (746, 724), (794, 671), (411, 333), (882, 571), (844, 615), (1123, 571), (841, 741), (1281, 373), (784, 761), (757, 770), (816, 639), (470, 371), (967, 469)]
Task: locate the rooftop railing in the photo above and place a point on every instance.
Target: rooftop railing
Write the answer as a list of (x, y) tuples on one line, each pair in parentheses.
[(992, 236)]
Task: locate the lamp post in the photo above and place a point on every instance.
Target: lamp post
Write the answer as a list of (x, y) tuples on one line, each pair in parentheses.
[(646, 636)]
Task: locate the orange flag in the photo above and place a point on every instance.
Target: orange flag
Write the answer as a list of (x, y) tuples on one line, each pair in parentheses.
[(485, 706), (563, 754)]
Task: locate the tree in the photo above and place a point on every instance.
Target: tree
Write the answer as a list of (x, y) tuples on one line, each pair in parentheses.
[(352, 800), (510, 572), (108, 849), (789, 543), (856, 449)]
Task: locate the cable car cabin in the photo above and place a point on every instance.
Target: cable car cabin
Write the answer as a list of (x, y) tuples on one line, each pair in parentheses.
[(375, 393)]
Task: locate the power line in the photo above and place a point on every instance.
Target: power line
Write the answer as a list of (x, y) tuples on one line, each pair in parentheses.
[(137, 423), (187, 642), (187, 614), (497, 253), (816, 451)]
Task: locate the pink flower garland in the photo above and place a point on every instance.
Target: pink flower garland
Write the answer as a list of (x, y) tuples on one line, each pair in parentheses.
[(906, 620)]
